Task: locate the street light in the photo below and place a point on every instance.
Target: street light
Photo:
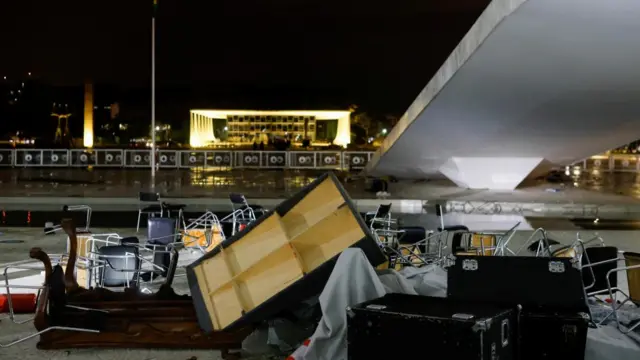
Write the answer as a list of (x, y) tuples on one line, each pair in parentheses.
[(153, 95)]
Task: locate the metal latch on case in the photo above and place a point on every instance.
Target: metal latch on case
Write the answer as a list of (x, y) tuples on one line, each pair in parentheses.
[(556, 266), (350, 312), (470, 264)]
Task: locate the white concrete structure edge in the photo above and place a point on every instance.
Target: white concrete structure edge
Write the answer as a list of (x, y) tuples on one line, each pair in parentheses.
[(495, 12)]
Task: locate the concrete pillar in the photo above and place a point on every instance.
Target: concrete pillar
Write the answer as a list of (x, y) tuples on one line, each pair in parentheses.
[(495, 173), (343, 135)]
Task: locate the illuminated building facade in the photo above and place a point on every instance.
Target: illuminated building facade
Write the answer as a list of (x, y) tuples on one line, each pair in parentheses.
[(249, 126), (87, 139)]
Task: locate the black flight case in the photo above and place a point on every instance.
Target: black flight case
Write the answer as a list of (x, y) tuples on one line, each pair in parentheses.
[(401, 326), (554, 316)]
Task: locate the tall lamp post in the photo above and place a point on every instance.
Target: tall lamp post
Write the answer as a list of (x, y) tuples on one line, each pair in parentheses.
[(153, 95)]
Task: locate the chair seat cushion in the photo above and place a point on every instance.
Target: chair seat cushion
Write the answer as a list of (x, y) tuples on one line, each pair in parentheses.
[(121, 264), (129, 240)]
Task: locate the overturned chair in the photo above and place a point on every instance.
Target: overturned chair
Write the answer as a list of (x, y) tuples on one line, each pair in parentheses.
[(69, 316), (465, 242)]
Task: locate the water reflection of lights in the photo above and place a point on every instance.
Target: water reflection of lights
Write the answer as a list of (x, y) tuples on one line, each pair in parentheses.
[(251, 180), (213, 180), (299, 181)]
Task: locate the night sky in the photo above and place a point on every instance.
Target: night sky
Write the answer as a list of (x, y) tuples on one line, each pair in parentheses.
[(377, 54)]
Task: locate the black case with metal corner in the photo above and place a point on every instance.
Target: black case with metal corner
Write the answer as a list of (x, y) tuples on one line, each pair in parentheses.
[(552, 335), (403, 326), (533, 282)]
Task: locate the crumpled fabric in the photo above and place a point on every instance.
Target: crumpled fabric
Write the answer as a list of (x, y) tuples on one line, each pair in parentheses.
[(354, 281)]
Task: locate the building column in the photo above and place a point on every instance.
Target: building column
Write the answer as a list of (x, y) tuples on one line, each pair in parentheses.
[(87, 139), (194, 134), (343, 134), (200, 137), (211, 135)]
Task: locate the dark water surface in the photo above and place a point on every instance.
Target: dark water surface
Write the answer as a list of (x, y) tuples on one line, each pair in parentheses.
[(128, 219)]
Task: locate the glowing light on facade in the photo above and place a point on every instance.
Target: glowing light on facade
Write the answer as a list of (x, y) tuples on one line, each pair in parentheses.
[(87, 139), (202, 122), (201, 130)]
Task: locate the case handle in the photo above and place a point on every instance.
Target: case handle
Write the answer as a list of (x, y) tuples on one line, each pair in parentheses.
[(505, 332)]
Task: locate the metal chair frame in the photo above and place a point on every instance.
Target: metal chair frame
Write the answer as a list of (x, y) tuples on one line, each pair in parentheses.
[(381, 216), (146, 202), (392, 246), (242, 213), (39, 288), (615, 307), (207, 222), (73, 208), (101, 261)]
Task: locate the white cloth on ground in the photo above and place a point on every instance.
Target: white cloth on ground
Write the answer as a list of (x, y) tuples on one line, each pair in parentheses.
[(354, 281)]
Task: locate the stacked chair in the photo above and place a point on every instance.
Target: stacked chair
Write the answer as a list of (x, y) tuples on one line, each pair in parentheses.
[(203, 233), (242, 213), (552, 290), (111, 268), (404, 245), (72, 316), (151, 205)]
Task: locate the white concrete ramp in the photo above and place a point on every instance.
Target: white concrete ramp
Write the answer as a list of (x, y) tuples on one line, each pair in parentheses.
[(534, 83)]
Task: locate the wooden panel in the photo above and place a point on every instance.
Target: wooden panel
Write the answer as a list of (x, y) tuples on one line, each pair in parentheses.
[(271, 275), (314, 207), (472, 253), (256, 244), (227, 306), (478, 241), (82, 277), (205, 295), (218, 272), (633, 276), (327, 238), (82, 249)]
